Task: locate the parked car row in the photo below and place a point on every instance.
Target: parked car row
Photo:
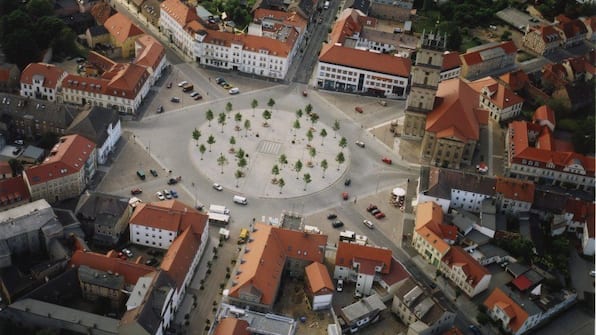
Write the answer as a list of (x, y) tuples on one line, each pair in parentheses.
[(223, 83), (166, 194), (375, 211)]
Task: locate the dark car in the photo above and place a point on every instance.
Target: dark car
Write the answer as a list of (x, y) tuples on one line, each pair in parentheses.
[(172, 181), (169, 85), (474, 330), (220, 80), (151, 262), (337, 224), (348, 182), (136, 191), (153, 173), (375, 211), (331, 216), (175, 99), (371, 207)]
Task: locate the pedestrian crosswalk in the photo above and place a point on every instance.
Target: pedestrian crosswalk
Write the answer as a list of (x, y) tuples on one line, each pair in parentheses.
[(268, 147)]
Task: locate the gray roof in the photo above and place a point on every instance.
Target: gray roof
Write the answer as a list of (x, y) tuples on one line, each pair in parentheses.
[(477, 237), (33, 152), (533, 276), (261, 323), (549, 201), (100, 278), (361, 5), (463, 220), (362, 307), (419, 302), (25, 218), (442, 181), (101, 208), (517, 269), (490, 250), (60, 115), (93, 123), (522, 300)]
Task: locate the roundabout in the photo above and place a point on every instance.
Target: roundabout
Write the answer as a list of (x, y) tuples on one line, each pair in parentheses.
[(269, 153)]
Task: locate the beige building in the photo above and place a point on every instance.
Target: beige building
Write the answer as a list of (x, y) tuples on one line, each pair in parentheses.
[(432, 238), (65, 173), (542, 40), (465, 272), (480, 61), (500, 101), (123, 33)]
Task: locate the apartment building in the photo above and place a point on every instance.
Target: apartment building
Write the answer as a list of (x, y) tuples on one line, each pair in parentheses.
[(484, 59), (174, 20), (41, 81), (514, 196), (105, 215), (152, 55), (100, 125), (432, 238), (123, 34), (66, 171), (542, 39), (465, 271), (362, 264), (501, 102)]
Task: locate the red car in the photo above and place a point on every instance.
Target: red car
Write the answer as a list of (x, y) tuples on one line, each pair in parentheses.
[(386, 160), (345, 195), (136, 191), (380, 215)]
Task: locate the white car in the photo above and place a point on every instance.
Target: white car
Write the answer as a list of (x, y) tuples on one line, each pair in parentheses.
[(217, 187), (360, 144), (167, 194), (182, 83), (368, 223), (340, 285), (234, 90), (194, 94), (160, 196), (127, 252)]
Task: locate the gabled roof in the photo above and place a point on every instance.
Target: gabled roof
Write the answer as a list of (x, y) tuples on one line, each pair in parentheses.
[(93, 123), (347, 25), (318, 277), (442, 181), (365, 60), (548, 34), (486, 52), (499, 94), (179, 11), (149, 52), (451, 60), (572, 28), (264, 256), (347, 253), (123, 81), (177, 261), (517, 313), (121, 27), (232, 326), (49, 73), (581, 210), (398, 273), (170, 215), (516, 79), (68, 156), (516, 189), (544, 113), (456, 115), (458, 257), (433, 239), (273, 47), (101, 207), (111, 262), (428, 213), (101, 11)]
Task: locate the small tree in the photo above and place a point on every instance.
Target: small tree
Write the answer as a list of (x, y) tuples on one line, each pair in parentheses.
[(221, 119), (246, 127), (281, 183), (309, 135), (306, 179), (283, 160), (210, 141), (238, 174), (343, 143), (296, 126), (222, 161), (229, 107), (308, 109), (324, 166), (240, 153), (266, 115), (202, 150), (335, 128), (196, 134), (275, 170), (323, 134), (340, 159), (242, 163), (314, 117), (312, 152), (254, 103), (297, 168), (232, 141), (271, 103), (209, 116), (299, 113)]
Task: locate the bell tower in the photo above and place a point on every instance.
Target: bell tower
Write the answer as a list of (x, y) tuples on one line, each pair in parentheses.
[(426, 74)]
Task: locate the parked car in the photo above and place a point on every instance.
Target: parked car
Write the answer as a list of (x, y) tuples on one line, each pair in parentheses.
[(368, 223), (159, 109), (474, 330), (151, 262), (359, 109), (174, 194), (360, 144), (380, 215), (337, 224), (127, 252), (141, 174), (371, 207), (219, 80), (227, 86), (153, 173), (348, 182), (175, 99), (182, 83), (386, 160), (234, 90), (217, 187), (172, 181), (136, 191), (194, 94), (160, 196), (340, 285), (167, 194), (169, 85), (198, 97), (331, 216), (345, 195)]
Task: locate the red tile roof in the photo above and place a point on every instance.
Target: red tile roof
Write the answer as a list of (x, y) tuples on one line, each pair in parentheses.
[(365, 60), (179, 11), (110, 262), (12, 189), (476, 56), (177, 261), (4, 74), (522, 283), (100, 61), (51, 74), (516, 80), (318, 278), (170, 215), (456, 115), (274, 47), (347, 253), (451, 60), (232, 326), (548, 34), (572, 28), (397, 273), (68, 156), (149, 52), (429, 225), (101, 11), (287, 18), (347, 25), (516, 189), (581, 210), (544, 113), (5, 168), (499, 94), (121, 27), (458, 257), (262, 262), (517, 312), (122, 81)]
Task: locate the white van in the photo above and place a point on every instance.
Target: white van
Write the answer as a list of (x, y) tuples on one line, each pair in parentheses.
[(240, 200), (218, 209), (326, 5)]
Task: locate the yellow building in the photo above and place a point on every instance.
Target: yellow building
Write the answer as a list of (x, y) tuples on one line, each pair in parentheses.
[(123, 33)]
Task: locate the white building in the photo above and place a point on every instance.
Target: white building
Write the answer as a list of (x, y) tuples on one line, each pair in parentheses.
[(361, 264), (41, 81), (152, 55), (174, 19), (465, 272), (100, 125), (501, 102), (451, 66)]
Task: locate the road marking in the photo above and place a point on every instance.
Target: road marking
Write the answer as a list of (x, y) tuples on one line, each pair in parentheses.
[(269, 147)]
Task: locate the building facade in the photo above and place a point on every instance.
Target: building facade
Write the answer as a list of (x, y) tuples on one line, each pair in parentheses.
[(541, 39), (482, 60), (41, 81), (501, 103)]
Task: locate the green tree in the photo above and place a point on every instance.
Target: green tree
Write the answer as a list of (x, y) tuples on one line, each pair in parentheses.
[(238, 118), (312, 152), (209, 116), (266, 115), (222, 161), (324, 166), (281, 183), (246, 127), (240, 153), (271, 103), (275, 170), (238, 174), (343, 143), (221, 119), (340, 159), (242, 163), (196, 134), (210, 141), (299, 113), (254, 104), (323, 134), (307, 179), (308, 109), (296, 126), (18, 52), (506, 35), (283, 160), (229, 107), (39, 8), (297, 168), (309, 135), (232, 140), (335, 128), (202, 150), (314, 117)]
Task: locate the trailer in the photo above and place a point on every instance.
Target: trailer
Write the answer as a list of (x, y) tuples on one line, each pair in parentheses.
[(218, 219)]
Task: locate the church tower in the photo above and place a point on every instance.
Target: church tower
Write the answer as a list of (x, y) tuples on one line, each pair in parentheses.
[(426, 74)]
